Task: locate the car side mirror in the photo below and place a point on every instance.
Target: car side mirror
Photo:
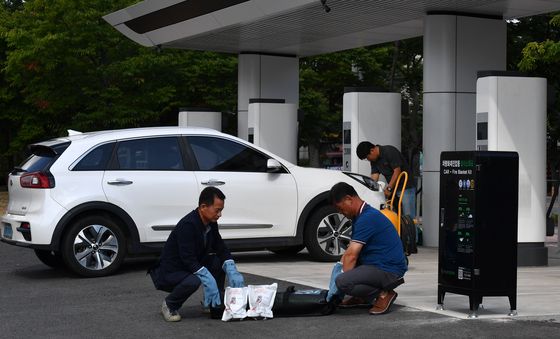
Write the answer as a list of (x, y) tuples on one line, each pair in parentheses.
[(273, 166)]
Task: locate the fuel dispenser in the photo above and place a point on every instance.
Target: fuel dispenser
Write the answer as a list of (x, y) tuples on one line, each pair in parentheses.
[(511, 116), (200, 117), (273, 126), (368, 115), (478, 226)]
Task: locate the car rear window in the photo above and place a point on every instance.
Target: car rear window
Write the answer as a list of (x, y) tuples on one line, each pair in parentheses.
[(42, 157)]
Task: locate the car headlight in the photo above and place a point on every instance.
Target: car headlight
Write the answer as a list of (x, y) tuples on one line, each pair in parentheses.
[(364, 180)]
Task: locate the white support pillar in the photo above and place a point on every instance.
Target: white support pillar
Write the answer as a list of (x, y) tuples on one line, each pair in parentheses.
[(455, 48), (265, 76)]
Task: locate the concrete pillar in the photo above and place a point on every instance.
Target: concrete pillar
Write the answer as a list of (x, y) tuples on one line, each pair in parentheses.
[(265, 76), (455, 48)]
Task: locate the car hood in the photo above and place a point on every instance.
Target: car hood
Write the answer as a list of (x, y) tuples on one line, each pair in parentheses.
[(314, 181)]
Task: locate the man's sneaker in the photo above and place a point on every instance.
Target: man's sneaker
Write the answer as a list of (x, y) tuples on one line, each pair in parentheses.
[(169, 315), (382, 304), (354, 302)]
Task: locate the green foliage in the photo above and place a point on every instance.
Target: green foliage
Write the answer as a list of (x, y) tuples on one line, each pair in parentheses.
[(546, 52), (541, 57), (389, 67)]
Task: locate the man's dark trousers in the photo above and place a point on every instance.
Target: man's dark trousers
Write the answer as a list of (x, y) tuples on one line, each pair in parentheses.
[(185, 288)]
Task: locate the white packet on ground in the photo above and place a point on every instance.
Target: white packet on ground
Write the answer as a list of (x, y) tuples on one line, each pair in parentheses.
[(261, 300), (235, 303)]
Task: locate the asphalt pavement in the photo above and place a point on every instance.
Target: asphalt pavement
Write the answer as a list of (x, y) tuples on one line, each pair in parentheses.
[(40, 302)]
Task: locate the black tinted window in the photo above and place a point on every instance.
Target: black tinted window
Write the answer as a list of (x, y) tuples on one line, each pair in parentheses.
[(161, 154), (215, 154), (97, 159), (37, 163), (42, 157)]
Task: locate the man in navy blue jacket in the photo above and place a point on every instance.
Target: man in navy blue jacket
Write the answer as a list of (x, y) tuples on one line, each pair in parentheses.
[(195, 254)]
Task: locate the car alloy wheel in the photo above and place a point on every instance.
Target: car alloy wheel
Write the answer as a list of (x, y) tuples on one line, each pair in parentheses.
[(94, 246), (328, 234)]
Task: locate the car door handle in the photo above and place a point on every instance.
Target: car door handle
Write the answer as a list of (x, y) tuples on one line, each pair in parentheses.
[(119, 182), (213, 182)]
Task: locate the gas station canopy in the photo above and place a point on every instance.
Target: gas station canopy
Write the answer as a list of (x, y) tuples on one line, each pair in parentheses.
[(297, 27)]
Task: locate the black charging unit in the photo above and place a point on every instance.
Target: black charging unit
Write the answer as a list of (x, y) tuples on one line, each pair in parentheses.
[(478, 226)]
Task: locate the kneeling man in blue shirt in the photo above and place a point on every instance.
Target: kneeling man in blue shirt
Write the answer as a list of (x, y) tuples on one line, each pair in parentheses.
[(374, 263)]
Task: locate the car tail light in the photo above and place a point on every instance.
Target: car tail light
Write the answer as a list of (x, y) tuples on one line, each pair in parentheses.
[(36, 180)]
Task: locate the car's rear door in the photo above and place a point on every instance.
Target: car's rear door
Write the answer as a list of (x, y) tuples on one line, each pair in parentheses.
[(28, 197), (258, 204), (151, 182)]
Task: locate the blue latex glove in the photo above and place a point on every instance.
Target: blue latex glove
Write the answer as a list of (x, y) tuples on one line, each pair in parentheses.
[(333, 290), (211, 293), (235, 279)]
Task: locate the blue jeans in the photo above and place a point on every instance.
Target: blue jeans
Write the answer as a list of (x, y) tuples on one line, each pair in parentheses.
[(409, 202)]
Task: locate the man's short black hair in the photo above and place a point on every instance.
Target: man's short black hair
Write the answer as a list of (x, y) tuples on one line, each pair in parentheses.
[(208, 194), (340, 190), (363, 149)]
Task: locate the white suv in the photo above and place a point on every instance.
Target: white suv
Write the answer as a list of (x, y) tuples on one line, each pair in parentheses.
[(88, 200)]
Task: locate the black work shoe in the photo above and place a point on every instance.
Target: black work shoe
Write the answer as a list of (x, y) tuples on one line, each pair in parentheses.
[(354, 302)]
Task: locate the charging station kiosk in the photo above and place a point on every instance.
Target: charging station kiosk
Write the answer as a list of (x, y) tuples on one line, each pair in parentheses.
[(478, 226), (272, 125), (200, 117), (368, 115), (511, 116)]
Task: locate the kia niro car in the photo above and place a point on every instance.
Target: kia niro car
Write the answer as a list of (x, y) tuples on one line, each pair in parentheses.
[(90, 199)]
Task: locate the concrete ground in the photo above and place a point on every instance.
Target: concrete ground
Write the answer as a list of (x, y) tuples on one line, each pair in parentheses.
[(538, 287), (40, 302)]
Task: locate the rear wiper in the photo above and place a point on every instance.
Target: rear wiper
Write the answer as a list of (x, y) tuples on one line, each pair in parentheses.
[(17, 170)]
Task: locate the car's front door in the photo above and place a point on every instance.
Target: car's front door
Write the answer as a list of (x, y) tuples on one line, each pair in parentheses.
[(258, 204), (152, 184)]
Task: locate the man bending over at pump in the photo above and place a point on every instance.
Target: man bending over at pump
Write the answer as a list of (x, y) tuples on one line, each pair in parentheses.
[(374, 263), (195, 254)]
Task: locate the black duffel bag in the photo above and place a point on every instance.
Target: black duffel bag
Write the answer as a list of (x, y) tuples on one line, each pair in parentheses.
[(302, 302)]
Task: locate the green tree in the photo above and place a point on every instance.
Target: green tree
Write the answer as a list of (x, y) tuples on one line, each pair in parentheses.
[(541, 57), (322, 82), (10, 100), (64, 67), (407, 77), (388, 67)]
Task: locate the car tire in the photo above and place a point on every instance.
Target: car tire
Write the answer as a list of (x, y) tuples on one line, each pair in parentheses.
[(288, 250), (94, 246), (50, 258), (327, 234)]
